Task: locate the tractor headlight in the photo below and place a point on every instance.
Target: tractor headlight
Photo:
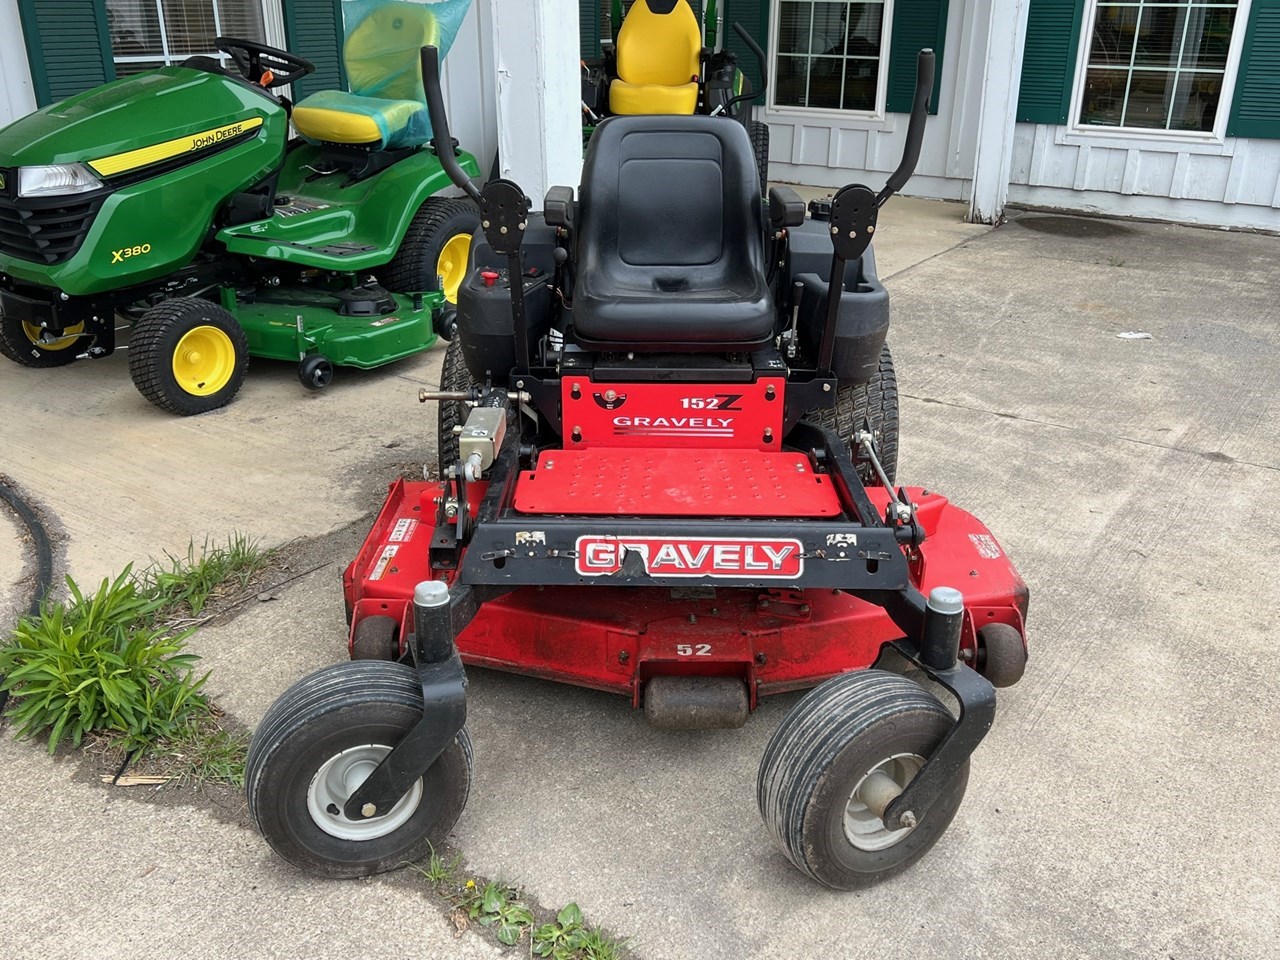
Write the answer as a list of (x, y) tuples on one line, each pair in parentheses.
[(59, 179)]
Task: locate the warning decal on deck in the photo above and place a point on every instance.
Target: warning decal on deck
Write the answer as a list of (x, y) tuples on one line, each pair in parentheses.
[(403, 530), (986, 545), (384, 561)]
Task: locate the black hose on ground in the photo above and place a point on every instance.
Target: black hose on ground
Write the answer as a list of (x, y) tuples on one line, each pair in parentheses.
[(44, 554)]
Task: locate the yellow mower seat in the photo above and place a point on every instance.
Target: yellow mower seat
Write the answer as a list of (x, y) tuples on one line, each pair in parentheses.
[(386, 107), (332, 116), (659, 57)]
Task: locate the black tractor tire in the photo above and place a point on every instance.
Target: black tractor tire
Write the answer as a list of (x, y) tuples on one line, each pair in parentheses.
[(375, 639), (451, 413), (818, 760), (162, 334), (1002, 656), (875, 401), (17, 344), (350, 713), (760, 147), (415, 267)]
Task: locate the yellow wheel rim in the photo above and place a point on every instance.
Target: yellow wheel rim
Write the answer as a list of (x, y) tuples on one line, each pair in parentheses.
[(204, 361), (68, 339), (451, 266)]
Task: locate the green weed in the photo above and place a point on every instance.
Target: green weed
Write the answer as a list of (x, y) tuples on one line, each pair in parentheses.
[(570, 939), (498, 905), (187, 583)]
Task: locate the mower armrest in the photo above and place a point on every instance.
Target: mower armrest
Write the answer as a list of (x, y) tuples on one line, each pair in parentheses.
[(558, 208), (786, 209)]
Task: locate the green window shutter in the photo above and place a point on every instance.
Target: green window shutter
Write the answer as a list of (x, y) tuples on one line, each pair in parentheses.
[(754, 17), (68, 46), (590, 18), (1049, 60), (1255, 109), (314, 28), (916, 24)]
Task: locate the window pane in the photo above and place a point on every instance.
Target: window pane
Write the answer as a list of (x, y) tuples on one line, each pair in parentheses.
[(1149, 94), (190, 26), (1103, 102), (829, 54), (1159, 37), (1113, 34), (860, 84), (792, 81), (1195, 101), (825, 78), (867, 30), (1208, 38), (794, 26), (134, 27)]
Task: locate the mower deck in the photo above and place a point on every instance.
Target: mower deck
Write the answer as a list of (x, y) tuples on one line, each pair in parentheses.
[(618, 638)]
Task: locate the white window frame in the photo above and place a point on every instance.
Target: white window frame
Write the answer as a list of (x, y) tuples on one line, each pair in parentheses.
[(1126, 136), (879, 114)]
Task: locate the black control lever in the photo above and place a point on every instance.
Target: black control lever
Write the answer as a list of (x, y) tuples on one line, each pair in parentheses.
[(754, 47), (925, 62), (440, 138)]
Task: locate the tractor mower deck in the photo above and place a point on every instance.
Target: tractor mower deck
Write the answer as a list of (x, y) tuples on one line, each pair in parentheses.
[(768, 635)]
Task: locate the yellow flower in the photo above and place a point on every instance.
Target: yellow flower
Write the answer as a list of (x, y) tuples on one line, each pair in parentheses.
[(471, 884)]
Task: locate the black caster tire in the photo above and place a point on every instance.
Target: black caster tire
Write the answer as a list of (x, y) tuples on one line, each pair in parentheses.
[(325, 732), (315, 372), (821, 757), (21, 343), (188, 356), (375, 639), (875, 402), (1002, 656), (436, 249)]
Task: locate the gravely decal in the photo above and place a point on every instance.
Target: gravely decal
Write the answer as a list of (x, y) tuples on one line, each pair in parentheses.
[(693, 557)]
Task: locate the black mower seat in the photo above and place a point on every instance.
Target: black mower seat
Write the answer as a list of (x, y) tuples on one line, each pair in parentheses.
[(670, 237)]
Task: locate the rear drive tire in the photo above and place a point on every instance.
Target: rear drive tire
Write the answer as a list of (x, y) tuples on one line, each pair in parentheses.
[(21, 343), (188, 356), (760, 147), (375, 639), (875, 401), (435, 250), (318, 742), (812, 780)]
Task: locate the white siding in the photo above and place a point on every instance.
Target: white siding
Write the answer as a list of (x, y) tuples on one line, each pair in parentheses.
[(17, 97), (1232, 183)]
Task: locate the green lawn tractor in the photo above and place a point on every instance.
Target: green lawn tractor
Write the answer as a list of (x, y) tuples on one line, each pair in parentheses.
[(177, 200)]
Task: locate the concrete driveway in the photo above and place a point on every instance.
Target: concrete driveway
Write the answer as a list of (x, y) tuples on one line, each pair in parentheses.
[(1125, 804)]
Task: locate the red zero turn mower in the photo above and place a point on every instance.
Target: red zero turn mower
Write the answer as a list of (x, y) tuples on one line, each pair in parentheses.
[(669, 427)]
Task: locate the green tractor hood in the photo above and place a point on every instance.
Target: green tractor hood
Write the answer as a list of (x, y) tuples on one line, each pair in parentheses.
[(167, 147)]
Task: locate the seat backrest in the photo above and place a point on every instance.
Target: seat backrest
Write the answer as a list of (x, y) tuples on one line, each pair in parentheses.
[(659, 48), (382, 52), (670, 204)]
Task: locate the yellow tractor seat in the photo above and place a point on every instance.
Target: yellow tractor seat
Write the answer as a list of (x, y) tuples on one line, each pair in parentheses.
[(386, 107), (659, 58), (332, 116)]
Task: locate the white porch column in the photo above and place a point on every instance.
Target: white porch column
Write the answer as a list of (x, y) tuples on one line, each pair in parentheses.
[(1000, 31), (535, 44)]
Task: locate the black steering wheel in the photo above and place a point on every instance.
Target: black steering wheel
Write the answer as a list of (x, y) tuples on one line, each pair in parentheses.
[(263, 65)]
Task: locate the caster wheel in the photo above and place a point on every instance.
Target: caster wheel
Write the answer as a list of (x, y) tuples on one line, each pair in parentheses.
[(446, 324), (315, 372), (319, 742), (842, 754), (375, 639), (1002, 656)]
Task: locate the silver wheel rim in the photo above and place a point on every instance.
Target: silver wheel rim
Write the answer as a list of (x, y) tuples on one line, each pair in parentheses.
[(338, 778), (862, 828)]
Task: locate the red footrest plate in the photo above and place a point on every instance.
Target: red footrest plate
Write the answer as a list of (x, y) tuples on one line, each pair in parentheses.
[(675, 483)]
